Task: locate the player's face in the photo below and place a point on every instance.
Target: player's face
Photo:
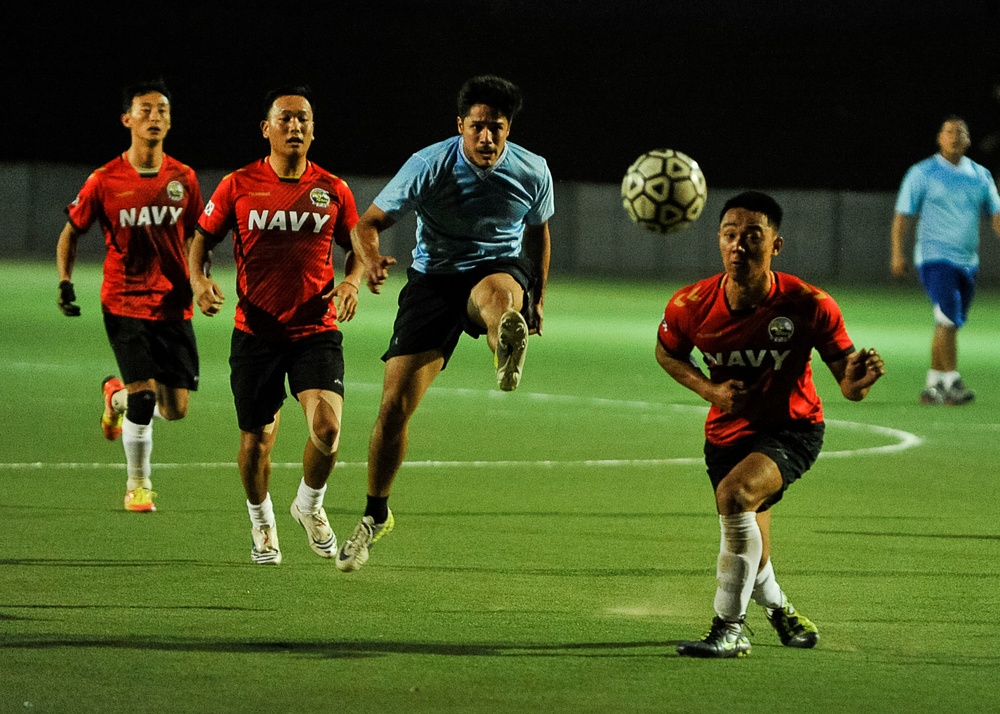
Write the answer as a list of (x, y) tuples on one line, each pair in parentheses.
[(149, 118), (484, 133), (289, 126), (953, 140), (747, 242)]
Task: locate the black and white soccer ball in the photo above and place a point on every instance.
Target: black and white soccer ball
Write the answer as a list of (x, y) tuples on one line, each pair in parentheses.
[(664, 191)]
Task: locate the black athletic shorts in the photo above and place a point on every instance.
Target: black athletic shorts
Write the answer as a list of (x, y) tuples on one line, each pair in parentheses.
[(258, 368), (433, 309), (164, 350), (793, 447)]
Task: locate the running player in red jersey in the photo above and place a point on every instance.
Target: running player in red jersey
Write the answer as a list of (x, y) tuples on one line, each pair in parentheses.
[(147, 204), (756, 330), (286, 214)]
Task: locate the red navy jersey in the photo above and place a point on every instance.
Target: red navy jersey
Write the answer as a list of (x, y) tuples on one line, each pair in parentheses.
[(145, 220), (768, 348), (284, 233)]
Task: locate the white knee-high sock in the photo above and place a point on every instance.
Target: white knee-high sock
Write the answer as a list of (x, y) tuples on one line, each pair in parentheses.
[(308, 499), (137, 440), (262, 516), (739, 557), (766, 591)]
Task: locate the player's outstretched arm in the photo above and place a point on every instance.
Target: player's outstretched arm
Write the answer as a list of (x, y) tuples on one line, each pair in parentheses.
[(207, 295), (857, 372), (65, 260), (364, 239)]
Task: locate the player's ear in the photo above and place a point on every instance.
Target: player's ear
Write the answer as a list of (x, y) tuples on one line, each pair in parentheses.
[(126, 120), (263, 129), (778, 242), (461, 126)]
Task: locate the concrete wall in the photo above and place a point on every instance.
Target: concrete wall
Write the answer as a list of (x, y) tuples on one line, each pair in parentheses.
[(832, 236)]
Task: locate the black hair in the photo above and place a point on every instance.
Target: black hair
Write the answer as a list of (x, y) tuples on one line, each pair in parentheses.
[(495, 92), (132, 91), (758, 202), (290, 90), (953, 117)]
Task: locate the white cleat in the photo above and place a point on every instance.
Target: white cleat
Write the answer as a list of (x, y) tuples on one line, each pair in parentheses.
[(354, 553), (265, 546), (512, 345), (321, 537)]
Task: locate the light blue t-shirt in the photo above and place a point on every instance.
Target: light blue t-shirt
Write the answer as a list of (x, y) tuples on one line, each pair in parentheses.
[(467, 215), (950, 200)]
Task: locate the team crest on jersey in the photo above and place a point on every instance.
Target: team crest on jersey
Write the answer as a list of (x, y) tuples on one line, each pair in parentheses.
[(320, 198), (175, 191), (781, 329)]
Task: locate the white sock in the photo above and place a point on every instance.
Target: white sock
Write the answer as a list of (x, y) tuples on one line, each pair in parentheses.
[(119, 401), (739, 558), (137, 439), (262, 516), (309, 500), (156, 412), (949, 378), (934, 378), (766, 591)]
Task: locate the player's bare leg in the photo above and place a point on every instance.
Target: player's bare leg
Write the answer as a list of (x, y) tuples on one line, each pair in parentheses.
[(407, 379), (254, 460), (944, 383), (495, 303), (323, 410), (172, 402)]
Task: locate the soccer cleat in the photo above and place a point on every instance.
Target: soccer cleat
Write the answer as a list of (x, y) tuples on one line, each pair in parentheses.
[(793, 628), (265, 549), (354, 553), (724, 640), (317, 527), (140, 500), (512, 345), (933, 395), (111, 419), (958, 394)]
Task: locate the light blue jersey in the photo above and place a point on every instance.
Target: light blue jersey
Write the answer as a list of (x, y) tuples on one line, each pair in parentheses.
[(949, 200), (466, 215)]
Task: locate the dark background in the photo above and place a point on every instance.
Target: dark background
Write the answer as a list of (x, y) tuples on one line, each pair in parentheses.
[(821, 94)]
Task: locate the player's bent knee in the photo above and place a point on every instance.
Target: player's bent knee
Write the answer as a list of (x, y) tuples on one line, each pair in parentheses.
[(324, 427)]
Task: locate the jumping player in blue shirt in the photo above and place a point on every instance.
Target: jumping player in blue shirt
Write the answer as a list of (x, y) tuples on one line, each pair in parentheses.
[(480, 266), (949, 193)]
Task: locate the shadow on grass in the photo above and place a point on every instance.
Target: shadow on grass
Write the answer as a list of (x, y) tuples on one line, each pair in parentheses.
[(350, 649)]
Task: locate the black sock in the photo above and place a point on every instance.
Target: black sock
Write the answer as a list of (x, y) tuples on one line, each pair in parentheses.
[(378, 508)]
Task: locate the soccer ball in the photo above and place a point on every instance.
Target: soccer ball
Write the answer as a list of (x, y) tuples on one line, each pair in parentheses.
[(664, 191)]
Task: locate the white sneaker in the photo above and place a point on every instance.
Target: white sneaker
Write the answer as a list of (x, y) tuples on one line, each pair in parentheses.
[(317, 527), (354, 553), (512, 345), (265, 546)]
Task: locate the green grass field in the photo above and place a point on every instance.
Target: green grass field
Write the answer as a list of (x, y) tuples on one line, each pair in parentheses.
[(551, 547)]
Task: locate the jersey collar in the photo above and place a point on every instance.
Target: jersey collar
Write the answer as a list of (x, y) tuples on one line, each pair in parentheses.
[(481, 172)]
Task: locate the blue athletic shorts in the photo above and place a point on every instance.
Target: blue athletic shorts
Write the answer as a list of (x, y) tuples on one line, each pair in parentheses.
[(950, 289)]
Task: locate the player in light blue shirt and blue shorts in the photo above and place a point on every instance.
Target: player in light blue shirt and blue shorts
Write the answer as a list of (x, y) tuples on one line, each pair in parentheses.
[(947, 195), (480, 266)]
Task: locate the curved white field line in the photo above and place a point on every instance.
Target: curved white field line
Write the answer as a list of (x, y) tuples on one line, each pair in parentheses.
[(902, 440)]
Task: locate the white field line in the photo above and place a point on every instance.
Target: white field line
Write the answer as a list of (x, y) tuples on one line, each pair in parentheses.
[(900, 441)]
